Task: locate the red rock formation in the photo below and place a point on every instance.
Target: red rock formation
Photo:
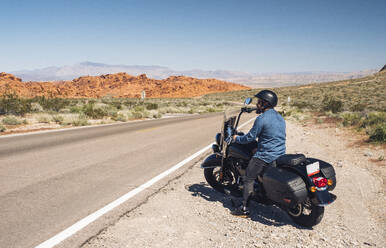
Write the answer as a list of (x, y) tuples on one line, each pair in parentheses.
[(116, 85)]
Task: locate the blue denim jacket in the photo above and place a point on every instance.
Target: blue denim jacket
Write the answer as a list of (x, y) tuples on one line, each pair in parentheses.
[(269, 128)]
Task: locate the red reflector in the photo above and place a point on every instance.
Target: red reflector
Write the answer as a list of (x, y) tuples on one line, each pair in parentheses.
[(287, 200), (320, 182)]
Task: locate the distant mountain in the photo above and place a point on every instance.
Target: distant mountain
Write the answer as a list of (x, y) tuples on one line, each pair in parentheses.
[(253, 80), (116, 85)]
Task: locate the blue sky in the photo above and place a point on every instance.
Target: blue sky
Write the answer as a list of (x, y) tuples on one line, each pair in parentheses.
[(250, 36)]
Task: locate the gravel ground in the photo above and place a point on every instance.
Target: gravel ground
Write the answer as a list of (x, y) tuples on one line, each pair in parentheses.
[(188, 213)]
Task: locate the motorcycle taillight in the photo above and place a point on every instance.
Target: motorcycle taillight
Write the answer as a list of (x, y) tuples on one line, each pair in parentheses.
[(320, 182)]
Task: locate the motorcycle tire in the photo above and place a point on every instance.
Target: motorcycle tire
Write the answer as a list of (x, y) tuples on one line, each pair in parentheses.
[(212, 176), (306, 214)]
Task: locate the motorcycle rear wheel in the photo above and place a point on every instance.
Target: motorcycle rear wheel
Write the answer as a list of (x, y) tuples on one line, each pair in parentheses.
[(217, 180), (306, 214)]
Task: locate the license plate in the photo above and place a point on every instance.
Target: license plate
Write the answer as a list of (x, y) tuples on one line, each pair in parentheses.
[(313, 169)]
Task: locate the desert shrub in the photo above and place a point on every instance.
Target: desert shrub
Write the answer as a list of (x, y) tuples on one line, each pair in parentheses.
[(157, 115), (300, 105), (116, 104), (58, 119), (351, 119), (211, 110), (10, 103), (36, 107), (151, 106), (374, 118), (65, 110), (285, 113), (136, 115), (331, 104), (120, 117), (82, 120), (95, 113), (359, 107), (112, 112), (2, 128), (43, 119), (182, 104), (11, 120), (53, 104), (76, 109), (378, 134), (139, 108)]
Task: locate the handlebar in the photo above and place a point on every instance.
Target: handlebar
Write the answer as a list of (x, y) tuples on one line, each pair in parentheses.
[(248, 110), (231, 131)]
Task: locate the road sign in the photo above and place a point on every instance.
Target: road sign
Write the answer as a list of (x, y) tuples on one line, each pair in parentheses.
[(143, 95)]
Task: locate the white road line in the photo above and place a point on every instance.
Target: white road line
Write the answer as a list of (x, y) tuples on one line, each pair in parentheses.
[(92, 217)]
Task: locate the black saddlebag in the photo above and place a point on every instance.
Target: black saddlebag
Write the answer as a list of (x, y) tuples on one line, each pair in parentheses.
[(326, 169), (284, 187)]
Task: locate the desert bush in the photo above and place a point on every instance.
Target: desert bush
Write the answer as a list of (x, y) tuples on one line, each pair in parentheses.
[(378, 134), (351, 119), (211, 110), (358, 107), (285, 112), (95, 113), (157, 115), (10, 103), (76, 109), (374, 118), (120, 117), (52, 104), (136, 115), (43, 119), (2, 128), (11, 120), (331, 104), (116, 104), (139, 108), (58, 119), (82, 120), (36, 107), (151, 106), (300, 105)]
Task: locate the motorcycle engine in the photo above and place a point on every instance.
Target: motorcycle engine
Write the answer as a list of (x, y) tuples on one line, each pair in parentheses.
[(241, 166)]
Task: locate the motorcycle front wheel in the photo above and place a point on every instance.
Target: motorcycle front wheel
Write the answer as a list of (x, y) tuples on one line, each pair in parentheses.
[(306, 214), (218, 180)]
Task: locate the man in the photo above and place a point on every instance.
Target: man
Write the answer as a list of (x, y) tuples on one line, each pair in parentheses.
[(269, 128)]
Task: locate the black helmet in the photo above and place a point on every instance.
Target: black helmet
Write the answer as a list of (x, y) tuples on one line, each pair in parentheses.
[(268, 96)]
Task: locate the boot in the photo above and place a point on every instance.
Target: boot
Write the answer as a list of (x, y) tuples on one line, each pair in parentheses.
[(241, 211)]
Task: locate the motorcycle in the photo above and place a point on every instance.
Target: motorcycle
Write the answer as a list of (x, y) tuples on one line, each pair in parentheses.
[(300, 186)]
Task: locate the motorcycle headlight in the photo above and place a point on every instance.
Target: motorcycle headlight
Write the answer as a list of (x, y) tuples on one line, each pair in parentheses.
[(218, 138)]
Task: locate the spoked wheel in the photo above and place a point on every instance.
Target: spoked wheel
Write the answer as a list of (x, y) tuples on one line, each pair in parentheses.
[(306, 214), (218, 180)]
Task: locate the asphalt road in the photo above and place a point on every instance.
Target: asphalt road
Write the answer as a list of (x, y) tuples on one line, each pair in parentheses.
[(49, 181)]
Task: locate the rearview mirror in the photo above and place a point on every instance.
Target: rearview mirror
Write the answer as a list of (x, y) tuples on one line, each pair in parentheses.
[(247, 101)]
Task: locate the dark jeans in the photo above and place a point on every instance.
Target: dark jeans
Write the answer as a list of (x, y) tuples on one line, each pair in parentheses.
[(255, 168)]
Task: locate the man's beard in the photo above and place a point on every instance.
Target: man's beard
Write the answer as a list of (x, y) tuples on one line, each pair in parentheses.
[(259, 110)]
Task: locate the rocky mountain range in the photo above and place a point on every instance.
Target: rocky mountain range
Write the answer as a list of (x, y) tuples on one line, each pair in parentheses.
[(253, 80), (116, 85)]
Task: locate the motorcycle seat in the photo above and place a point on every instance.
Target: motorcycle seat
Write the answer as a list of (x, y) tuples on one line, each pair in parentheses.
[(290, 159)]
